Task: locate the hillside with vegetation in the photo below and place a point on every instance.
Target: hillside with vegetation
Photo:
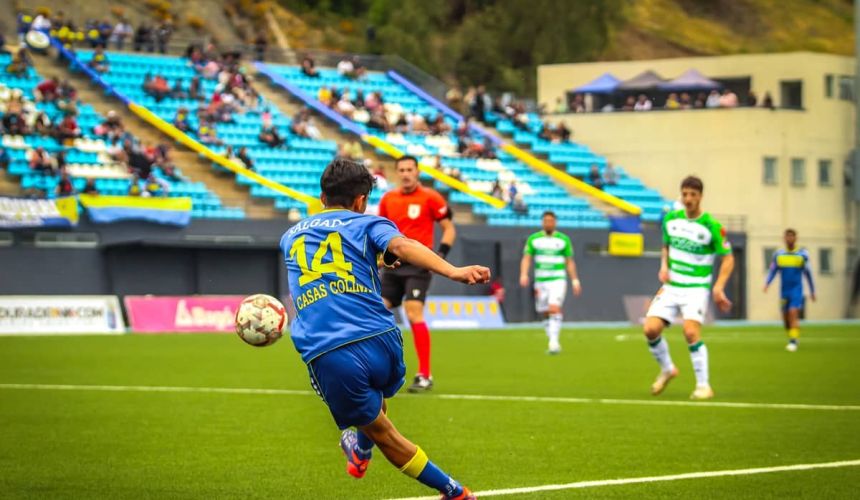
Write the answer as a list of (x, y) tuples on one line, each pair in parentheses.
[(501, 42)]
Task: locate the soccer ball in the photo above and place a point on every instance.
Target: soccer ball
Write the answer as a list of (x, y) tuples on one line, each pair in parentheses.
[(260, 320)]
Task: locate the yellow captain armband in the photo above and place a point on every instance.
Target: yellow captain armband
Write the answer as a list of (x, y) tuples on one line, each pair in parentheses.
[(416, 464)]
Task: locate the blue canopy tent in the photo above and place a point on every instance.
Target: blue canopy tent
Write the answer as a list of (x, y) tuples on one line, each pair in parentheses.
[(604, 84), (689, 80)]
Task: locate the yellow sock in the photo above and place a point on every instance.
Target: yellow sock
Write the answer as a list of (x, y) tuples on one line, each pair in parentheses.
[(794, 333)]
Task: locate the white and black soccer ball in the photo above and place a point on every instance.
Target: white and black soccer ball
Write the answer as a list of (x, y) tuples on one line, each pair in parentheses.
[(260, 320)]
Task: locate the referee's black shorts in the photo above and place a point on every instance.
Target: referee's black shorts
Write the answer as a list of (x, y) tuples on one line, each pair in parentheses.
[(407, 282)]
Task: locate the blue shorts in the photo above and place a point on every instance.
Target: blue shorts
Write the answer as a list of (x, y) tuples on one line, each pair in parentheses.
[(792, 301), (354, 379)]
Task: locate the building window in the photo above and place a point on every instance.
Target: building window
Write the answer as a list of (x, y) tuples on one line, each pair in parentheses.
[(851, 260), (769, 172), (824, 173), (846, 88), (791, 94), (798, 172), (768, 257), (828, 86), (825, 260)]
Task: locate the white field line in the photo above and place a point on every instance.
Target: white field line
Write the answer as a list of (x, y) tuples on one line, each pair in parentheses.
[(463, 397), (656, 479)]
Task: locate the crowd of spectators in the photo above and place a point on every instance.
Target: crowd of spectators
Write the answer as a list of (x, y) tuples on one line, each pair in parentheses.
[(727, 98)]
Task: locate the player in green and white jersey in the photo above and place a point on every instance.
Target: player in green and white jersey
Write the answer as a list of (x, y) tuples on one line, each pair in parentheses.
[(554, 264), (691, 241)]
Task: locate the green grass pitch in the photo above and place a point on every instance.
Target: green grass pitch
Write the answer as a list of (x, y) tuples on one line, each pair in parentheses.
[(132, 444)]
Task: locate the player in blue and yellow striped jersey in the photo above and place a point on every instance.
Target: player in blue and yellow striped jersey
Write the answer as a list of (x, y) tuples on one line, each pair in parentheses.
[(793, 264), (345, 335)]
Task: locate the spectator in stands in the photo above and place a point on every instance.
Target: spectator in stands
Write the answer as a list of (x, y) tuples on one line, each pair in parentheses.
[(111, 128), (594, 177), (143, 38), (489, 152), (454, 96), (496, 190), (68, 96), (456, 174), (351, 150), (729, 99), (610, 175), (629, 104), (60, 161), (13, 119), (65, 186), (40, 161), (685, 102), (642, 103), (752, 99), (105, 31), (121, 33), (577, 105), (713, 100), (67, 129), (345, 68), (513, 190), (20, 62), (767, 102), (134, 187), (261, 42), (39, 123), (156, 186), (90, 187), (206, 133), (99, 61), (560, 106), (309, 67), (439, 126), (245, 158), (180, 120), (5, 159), (177, 92), (269, 135), (194, 89), (699, 103), (156, 87), (479, 106), (563, 131), (380, 180), (344, 106), (672, 102), (519, 205), (162, 36), (48, 90)]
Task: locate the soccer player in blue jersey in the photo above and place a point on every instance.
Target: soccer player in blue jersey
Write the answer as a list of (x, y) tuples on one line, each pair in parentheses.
[(793, 264), (352, 347)]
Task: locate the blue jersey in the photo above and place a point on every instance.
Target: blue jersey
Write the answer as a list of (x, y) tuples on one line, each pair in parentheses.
[(334, 281), (792, 265)]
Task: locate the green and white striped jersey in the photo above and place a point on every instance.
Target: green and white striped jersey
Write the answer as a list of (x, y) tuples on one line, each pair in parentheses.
[(550, 252), (693, 245)]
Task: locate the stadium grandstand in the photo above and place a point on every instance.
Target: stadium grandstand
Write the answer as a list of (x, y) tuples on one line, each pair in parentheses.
[(219, 221)]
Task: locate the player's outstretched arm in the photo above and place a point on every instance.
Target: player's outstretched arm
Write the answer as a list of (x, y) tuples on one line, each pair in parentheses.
[(417, 254), (726, 268)]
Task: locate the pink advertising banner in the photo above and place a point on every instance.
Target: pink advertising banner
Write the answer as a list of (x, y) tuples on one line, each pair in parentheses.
[(204, 313)]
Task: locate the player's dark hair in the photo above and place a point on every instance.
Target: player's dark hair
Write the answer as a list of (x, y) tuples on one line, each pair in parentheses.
[(791, 232), (693, 182), (550, 213), (405, 158), (344, 180)]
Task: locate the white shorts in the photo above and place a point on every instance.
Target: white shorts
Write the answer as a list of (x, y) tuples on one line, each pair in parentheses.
[(671, 302), (549, 293)]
